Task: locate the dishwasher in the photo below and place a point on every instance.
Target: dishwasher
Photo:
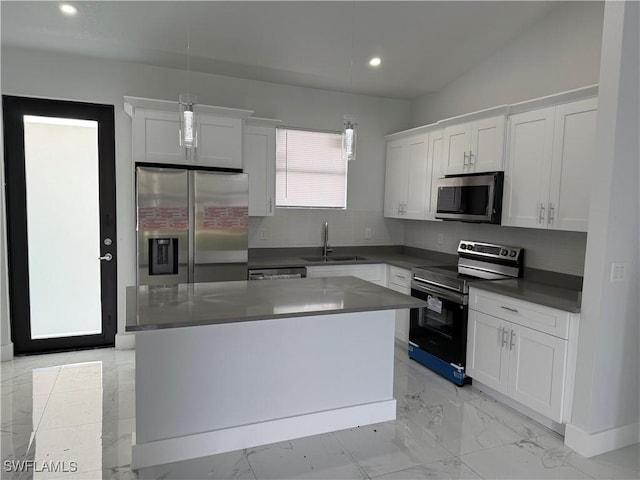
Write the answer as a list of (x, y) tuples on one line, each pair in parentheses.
[(277, 273)]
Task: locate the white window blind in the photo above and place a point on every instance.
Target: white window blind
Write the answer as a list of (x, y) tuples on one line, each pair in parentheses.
[(311, 170)]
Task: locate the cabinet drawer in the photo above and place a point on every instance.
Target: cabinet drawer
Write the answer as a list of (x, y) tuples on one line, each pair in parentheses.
[(399, 276), (531, 315)]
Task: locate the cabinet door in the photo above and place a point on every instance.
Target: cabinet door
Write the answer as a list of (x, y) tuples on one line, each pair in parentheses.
[(456, 148), (395, 185), (487, 359), (156, 137), (486, 153), (573, 157), (537, 366), (219, 142), (374, 273), (402, 316), (416, 177), (528, 169), (437, 167), (260, 163)]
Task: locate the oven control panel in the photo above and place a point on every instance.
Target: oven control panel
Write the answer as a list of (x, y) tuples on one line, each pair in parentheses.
[(503, 252)]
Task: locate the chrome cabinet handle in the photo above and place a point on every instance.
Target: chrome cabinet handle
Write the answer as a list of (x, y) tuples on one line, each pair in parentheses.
[(464, 161), (510, 309), (504, 336), (107, 256), (551, 212), (511, 343), (541, 217), (471, 155)]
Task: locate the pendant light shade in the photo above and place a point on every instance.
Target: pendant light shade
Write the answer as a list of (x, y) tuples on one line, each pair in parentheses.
[(349, 137), (188, 125)]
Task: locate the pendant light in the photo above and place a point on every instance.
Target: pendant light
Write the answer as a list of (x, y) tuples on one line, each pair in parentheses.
[(349, 121), (349, 137), (186, 109)]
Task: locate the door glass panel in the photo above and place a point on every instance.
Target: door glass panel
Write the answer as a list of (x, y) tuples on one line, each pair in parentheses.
[(63, 228)]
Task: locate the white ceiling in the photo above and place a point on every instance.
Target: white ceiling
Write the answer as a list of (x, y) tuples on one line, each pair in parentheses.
[(423, 45)]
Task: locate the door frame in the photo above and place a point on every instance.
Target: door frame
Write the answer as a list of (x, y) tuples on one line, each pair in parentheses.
[(14, 108)]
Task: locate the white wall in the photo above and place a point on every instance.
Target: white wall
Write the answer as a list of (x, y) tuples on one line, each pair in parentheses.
[(6, 346), (561, 52), (606, 409), (37, 73)]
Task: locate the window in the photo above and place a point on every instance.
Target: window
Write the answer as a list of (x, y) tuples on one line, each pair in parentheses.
[(311, 170)]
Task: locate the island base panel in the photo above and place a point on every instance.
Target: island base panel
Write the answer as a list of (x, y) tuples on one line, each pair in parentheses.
[(239, 385)]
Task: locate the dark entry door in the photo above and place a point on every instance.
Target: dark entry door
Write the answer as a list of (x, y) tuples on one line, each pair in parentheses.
[(61, 223)]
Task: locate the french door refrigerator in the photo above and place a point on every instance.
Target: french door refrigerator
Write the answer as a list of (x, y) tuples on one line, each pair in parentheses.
[(191, 225)]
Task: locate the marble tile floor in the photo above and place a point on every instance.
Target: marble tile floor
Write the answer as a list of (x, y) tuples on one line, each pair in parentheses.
[(74, 413)]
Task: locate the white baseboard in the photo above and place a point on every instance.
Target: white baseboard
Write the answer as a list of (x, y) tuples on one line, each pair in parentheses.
[(518, 407), (263, 433), (125, 341), (6, 352), (591, 444)]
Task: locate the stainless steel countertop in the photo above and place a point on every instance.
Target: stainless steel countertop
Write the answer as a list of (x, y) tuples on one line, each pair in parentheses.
[(152, 308)]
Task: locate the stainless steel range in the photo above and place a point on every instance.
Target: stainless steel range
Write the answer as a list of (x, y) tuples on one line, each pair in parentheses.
[(438, 332)]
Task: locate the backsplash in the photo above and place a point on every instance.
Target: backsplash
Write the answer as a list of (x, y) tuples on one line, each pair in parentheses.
[(305, 227), (552, 250)]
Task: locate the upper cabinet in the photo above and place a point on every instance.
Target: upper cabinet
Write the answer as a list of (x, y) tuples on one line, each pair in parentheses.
[(155, 135), (260, 163), (475, 146), (407, 180), (436, 160), (550, 155)]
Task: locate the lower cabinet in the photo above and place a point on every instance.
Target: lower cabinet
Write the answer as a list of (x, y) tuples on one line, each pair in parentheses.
[(399, 280), (532, 367), (374, 273)]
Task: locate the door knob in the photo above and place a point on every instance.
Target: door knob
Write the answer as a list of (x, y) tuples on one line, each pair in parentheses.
[(107, 256)]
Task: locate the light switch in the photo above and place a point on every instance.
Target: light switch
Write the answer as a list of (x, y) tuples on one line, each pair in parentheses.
[(263, 234), (618, 272)]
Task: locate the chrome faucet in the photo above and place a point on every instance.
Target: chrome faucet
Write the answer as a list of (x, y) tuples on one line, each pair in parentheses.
[(326, 249)]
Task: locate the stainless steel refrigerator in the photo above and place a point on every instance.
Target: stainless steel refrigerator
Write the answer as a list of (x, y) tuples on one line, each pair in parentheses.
[(191, 225)]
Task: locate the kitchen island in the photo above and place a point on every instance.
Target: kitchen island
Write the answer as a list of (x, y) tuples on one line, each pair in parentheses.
[(232, 365)]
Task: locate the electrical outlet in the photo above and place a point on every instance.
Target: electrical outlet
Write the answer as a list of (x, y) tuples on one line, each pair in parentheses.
[(263, 234), (368, 233), (440, 239), (618, 272)]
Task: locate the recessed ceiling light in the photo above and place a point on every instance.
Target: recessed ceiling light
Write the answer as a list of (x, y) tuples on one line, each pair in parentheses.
[(68, 9), (375, 62)]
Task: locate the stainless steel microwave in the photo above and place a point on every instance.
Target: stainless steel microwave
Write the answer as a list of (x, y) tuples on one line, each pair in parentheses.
[(471, 198)]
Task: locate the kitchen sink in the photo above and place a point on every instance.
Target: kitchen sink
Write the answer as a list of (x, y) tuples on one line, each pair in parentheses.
[(335, 258)]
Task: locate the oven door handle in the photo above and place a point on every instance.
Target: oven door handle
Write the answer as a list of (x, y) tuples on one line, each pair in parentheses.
[(440, 292)]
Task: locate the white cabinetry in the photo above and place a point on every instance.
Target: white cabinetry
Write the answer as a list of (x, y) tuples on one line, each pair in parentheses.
[(436, 160), (374, 273), (549, 160), (474, 147), (259, 161), (155, 135), (524, 351), (407, 180), (399, 280)]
